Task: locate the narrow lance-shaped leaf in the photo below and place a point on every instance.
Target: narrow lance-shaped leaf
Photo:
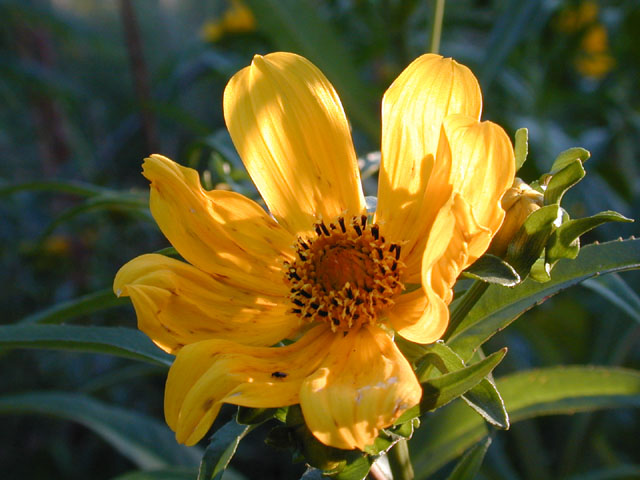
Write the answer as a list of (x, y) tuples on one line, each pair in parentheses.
[(64, 311), (559, 390), (484, 398), (147, 442), (469, 465), (118, 341), (221, 448), (439, 391), (499, 306), (618, 292)]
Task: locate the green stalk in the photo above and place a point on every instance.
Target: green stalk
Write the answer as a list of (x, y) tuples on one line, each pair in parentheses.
[(436, 26), (400, 461)]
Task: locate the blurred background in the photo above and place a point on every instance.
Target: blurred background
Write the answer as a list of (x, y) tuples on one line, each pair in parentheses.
[(89, 88)]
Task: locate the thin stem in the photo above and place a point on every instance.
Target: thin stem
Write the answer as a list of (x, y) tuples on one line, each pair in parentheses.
[(400, 461), (466, 304), (436, 26)]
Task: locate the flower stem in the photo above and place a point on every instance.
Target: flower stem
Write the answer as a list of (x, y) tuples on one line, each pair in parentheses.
[(466, 304), (400, 461), (436, 26)]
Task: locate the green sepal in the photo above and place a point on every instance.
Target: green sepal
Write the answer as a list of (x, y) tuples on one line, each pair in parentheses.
[(254, 416), (491, 269), (388, 437), (529, 242), (521, 147), (439, 391), (567, 157), (296, 436), (540, 271), (565, 240), (562, 181), (469, 465)]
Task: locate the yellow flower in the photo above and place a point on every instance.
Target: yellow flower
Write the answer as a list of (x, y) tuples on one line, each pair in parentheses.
[(317, 270), (595, 60), (237, 18)]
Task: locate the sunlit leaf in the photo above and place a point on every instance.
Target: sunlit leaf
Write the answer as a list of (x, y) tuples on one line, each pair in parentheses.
[(521, 147), (559, 390), (567, 157), (500, 306), (439, 391)]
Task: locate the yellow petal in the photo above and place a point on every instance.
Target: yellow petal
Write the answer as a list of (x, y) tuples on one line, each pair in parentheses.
[(455, 242), (413, 110), (419, 316), (290, 130), (483, 166), (209, 373), (177, 304), (364, 385), (220, 232)]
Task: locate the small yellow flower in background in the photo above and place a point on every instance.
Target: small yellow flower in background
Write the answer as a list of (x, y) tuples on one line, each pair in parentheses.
[(594, 58), (519, 202), (318, 270), (237, 18)]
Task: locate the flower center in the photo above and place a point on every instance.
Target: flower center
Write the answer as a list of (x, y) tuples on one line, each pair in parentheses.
[(345, 275)]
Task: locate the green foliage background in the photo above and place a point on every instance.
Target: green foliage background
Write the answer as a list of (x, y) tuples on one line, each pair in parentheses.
[(76, 119)]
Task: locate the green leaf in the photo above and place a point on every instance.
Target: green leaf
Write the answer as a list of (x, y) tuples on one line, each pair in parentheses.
[(564, 241), (295, 26), (145, 441), (521, 147), (63, 311), (137, 204), (118, 341), (491, 269), (484, 398), (529, 242), (221, 448), (562, 181), (567, 157), (559, 390), (615, 290), (439, 391), (469, 465), (165, 474), (616, 472), (60, 186), (498, 307)]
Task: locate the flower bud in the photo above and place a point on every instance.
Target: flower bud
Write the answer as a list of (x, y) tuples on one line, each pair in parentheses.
[(518, 202)]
